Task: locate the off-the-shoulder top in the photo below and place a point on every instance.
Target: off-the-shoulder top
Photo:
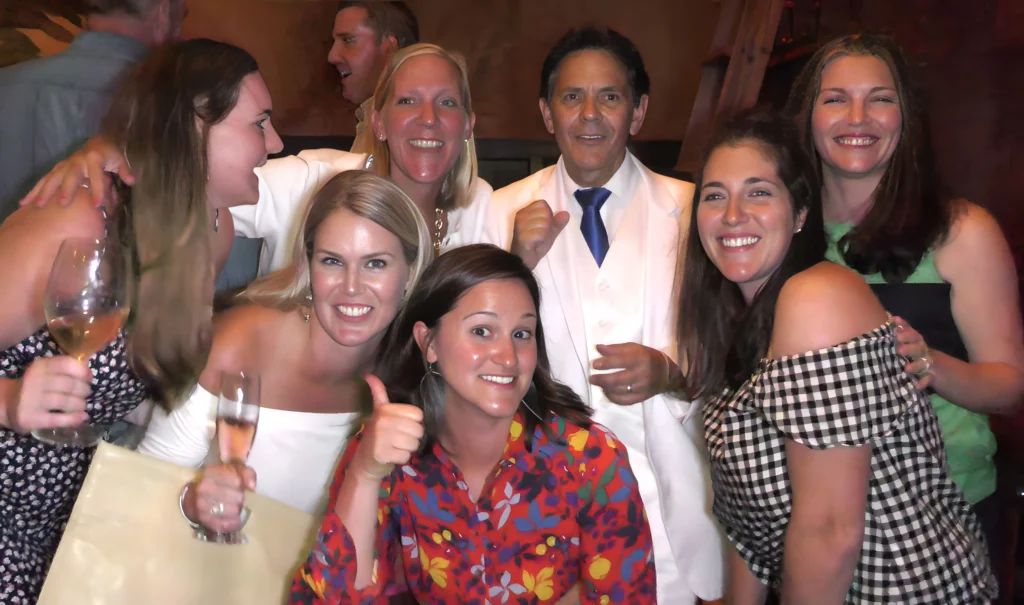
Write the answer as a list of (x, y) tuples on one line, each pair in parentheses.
[(922, 542)]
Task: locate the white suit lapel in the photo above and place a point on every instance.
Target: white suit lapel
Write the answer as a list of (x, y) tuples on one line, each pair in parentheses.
[(559, 269)]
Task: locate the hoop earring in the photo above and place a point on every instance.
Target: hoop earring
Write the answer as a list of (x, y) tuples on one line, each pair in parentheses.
[(216, 219), (433, 388), (532, 392), (532, 411)]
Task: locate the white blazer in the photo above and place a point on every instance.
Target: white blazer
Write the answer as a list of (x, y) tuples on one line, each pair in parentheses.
[(673, 430), (287, 184)]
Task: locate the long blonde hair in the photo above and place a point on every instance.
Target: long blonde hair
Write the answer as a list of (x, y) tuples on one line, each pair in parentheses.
[(164, 225), (457, 189), (364, 195)]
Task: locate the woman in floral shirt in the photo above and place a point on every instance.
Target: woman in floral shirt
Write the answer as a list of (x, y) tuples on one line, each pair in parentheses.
[(493, 485)]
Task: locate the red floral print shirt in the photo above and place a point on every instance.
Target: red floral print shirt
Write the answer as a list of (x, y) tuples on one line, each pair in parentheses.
[(565, 511)]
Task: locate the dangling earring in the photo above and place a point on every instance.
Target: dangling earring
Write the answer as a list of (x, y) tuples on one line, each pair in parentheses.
[(532, 391), (431, 378), (216, 220), (309, 305)]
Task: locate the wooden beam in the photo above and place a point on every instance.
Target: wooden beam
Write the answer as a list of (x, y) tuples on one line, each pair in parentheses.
[(721, 96)]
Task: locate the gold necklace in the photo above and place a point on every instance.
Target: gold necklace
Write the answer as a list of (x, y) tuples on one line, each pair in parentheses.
[(438, 226)]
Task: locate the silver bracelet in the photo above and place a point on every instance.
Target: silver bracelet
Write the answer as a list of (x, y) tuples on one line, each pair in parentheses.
[(181, 507)]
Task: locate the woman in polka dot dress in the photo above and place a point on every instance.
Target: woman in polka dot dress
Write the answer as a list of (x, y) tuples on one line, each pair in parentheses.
[(194, 123)]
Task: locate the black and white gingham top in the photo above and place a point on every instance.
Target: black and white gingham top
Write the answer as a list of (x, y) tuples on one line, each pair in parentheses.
[(922, 543)]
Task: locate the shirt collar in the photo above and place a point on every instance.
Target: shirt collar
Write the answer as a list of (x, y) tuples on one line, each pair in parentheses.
[(364, 110), (515, 446), (106, 43), (622, 184)]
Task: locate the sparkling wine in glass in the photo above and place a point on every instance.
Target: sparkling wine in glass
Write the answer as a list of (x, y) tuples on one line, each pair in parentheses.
[(238, 411), (85, 308)]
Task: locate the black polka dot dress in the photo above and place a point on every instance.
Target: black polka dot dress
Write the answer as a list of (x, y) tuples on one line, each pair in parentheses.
[(39, 482), (922, 542)]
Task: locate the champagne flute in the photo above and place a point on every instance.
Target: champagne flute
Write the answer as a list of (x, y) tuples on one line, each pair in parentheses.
[(85, 308), (238, 411)]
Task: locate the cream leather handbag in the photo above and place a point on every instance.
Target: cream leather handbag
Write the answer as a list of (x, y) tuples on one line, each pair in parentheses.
[(127, 543)]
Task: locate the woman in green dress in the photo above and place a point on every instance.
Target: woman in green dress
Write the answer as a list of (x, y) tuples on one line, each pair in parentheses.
[(941, 265)]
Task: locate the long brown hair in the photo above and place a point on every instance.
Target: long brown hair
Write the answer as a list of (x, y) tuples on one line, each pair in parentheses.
[(909, 215), (720, 338), (164, 221), (402, 365)]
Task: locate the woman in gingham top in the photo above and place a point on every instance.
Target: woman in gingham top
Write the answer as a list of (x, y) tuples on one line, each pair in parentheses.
[(828, 468)]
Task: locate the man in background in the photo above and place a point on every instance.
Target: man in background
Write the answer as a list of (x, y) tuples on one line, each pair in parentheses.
[(366, 34), (49, 107)]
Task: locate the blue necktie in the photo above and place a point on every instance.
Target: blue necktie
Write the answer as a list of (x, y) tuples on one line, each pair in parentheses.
[(592, 226)]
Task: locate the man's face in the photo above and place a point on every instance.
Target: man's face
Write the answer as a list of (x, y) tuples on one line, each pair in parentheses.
[(357, 54), (592, 116)]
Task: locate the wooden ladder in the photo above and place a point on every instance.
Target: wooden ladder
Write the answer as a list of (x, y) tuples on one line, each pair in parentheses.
[(732, 75)]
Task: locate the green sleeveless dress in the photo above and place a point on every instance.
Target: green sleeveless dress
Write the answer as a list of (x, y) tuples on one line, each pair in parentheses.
[(923, 300)]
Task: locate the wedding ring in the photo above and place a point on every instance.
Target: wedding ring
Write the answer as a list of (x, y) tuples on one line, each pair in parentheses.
[(217, 509)]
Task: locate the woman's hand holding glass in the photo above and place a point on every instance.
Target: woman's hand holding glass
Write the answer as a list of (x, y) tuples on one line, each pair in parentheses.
[(219, 497), (50, 395)]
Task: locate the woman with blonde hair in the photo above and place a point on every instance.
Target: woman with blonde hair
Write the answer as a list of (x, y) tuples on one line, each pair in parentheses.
[(309, 331), (422, 124), (199, 125)]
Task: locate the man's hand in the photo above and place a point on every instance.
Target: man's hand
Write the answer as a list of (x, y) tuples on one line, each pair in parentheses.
[(535, 230), (642, 373)]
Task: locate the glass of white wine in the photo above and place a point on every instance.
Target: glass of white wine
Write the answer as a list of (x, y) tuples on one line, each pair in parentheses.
[(85, 308), (238, 412)]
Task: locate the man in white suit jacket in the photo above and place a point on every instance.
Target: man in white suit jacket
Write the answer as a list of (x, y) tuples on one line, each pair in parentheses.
[(608, 308)]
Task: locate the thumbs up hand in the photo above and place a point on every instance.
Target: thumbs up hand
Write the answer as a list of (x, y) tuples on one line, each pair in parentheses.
[(391, 436), (535, 230)]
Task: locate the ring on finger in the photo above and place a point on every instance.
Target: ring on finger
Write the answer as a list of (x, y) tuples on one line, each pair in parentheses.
[(217, 509), (927, 370)]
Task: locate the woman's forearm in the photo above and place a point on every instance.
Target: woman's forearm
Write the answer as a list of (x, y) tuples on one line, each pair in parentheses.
[(357, 506), (743, 587), (986, 388), (818, 563), (8, 392)]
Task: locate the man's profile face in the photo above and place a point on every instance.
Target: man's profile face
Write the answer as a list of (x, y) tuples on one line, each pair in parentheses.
[(357, 54)]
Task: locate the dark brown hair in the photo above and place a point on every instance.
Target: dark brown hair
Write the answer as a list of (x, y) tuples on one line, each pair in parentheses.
[(908, 215), (721, 339), (402, 366), (164, 223)]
